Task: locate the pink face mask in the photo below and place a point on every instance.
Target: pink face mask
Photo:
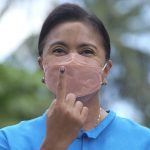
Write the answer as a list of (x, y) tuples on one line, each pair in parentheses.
[(82, 74)]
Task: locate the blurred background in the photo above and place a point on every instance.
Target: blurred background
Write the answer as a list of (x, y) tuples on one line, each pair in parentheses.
[(23, 96)]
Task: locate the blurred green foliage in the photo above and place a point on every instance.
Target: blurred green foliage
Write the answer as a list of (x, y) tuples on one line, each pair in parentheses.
[(22, 95)]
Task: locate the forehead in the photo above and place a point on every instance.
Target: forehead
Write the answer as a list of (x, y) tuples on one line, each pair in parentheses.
[(75, 34), (74, 30)]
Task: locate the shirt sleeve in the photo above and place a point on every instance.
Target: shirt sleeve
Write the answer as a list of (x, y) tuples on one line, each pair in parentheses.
[(3, 141)]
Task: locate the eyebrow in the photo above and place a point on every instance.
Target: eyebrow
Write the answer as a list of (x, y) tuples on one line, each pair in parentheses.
[(85, 44), (58, 43)]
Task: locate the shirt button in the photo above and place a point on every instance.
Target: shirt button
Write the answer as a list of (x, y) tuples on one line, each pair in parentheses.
[(85, 137)]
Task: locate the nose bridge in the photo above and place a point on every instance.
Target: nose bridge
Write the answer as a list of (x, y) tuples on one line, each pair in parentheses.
[(72, 56), (76, 58)]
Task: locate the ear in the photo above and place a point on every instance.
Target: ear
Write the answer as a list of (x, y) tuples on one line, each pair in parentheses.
[(105, 71), (40, 62), (107, 68)]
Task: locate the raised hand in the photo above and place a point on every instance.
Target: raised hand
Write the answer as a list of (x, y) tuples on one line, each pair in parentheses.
[(65, 118)]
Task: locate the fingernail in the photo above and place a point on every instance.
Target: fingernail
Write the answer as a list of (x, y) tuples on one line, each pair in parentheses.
[(62, 69)]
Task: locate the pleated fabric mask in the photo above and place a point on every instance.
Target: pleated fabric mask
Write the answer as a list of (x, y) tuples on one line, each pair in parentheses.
[(82, 74)]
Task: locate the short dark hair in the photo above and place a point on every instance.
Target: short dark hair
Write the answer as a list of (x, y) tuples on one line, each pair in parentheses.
[(72, 12)]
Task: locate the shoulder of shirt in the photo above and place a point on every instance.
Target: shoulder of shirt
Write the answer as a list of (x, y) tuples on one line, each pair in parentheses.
[(23, 132), (130, 126), (24, 126)]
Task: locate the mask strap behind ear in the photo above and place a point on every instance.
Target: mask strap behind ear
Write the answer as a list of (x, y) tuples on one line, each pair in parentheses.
[(104, 67)]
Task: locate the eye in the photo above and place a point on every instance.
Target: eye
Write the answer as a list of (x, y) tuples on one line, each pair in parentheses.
[(59, 51), (87, 52)]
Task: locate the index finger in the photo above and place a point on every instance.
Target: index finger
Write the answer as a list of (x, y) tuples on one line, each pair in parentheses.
[(61, 87)]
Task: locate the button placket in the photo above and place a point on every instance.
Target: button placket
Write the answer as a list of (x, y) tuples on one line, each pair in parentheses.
[(85, 142)]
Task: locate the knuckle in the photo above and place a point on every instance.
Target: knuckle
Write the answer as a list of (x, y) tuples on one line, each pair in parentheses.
[(79, 103), (72, 101), (85, 109), (71, 96)]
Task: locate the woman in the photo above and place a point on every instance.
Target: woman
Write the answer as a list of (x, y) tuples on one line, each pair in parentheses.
[(74, 55)]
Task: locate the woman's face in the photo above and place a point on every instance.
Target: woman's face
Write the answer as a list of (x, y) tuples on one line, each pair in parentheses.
[(78, 39)]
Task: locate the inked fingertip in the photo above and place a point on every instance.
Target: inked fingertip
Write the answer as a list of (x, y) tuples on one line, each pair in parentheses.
[(62, 69)]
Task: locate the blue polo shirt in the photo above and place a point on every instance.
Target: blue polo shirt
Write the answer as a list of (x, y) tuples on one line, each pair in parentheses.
[(114, 133)]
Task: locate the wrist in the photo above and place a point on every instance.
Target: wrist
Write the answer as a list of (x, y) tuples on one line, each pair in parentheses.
[(47, 145)]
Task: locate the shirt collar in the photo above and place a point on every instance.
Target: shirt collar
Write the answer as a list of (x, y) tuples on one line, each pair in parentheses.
[(94, 132)]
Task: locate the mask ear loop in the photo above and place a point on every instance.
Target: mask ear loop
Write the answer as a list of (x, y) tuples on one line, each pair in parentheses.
[(104, 67), (104, 82)]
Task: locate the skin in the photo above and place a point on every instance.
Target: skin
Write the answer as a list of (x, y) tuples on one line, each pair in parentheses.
[(66, 116)]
